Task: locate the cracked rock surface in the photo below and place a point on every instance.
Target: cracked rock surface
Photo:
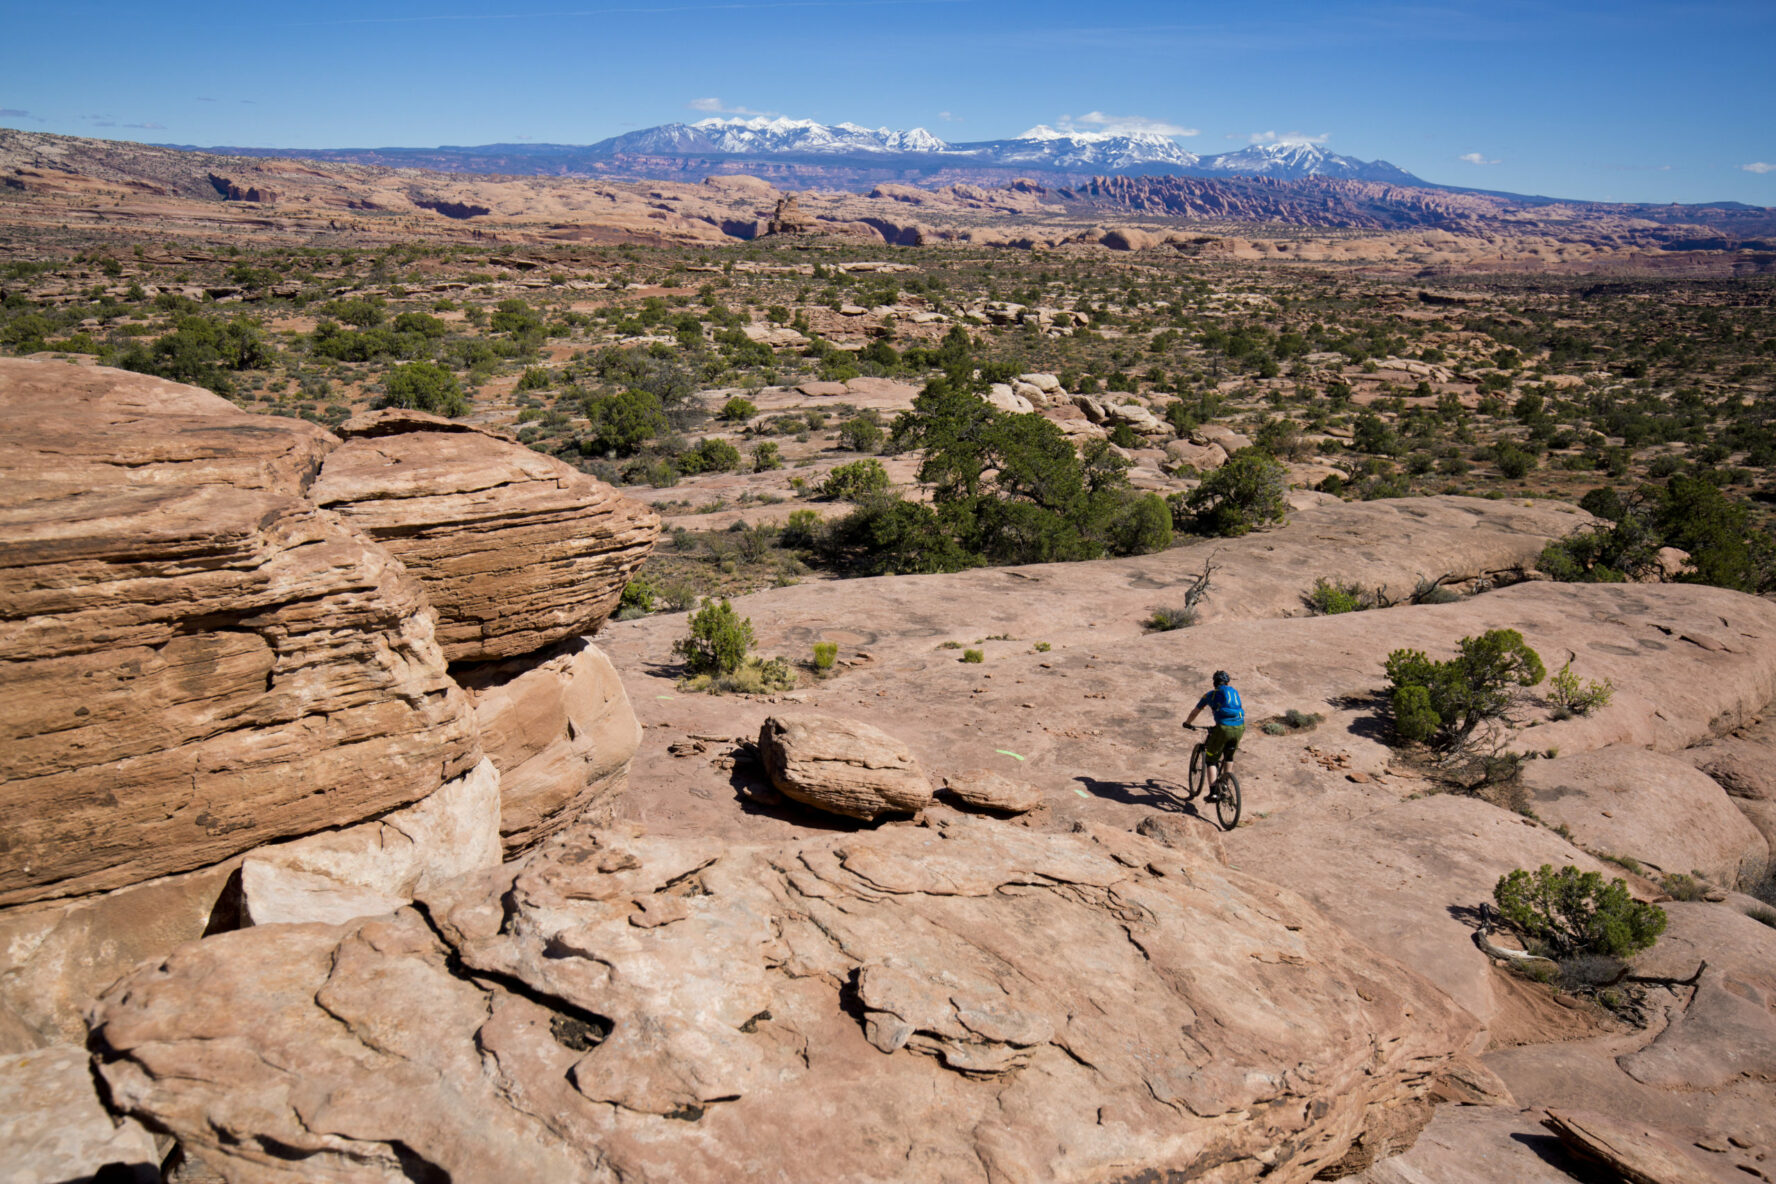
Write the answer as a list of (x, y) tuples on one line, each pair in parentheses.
[(960, 1000)]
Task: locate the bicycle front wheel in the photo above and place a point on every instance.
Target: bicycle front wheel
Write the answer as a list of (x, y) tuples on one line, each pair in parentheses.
[(1227, 805), (1198, 771)]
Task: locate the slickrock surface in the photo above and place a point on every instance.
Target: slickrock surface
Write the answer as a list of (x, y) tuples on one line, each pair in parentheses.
[(1635, 1152), (514, 550), (560, 729), (1657, 809), (842, 766), (885, 1004)]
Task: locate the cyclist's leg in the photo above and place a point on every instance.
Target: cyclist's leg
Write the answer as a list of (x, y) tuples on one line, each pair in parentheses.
[(1215, 743), (1232, 736)]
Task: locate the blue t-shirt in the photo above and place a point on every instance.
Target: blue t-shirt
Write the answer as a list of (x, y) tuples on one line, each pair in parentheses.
[(1225, 703)]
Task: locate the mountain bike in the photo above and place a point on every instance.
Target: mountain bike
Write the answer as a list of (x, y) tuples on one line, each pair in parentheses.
[(1224, 790)]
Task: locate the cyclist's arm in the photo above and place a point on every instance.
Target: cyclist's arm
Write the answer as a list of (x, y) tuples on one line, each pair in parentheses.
[(1190, 722)]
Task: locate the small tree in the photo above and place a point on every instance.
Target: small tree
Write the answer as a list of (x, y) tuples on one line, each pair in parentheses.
[(1249, 491), (855, 481), (1572, 912), (739, 409), (718, 641), (1446, 701)]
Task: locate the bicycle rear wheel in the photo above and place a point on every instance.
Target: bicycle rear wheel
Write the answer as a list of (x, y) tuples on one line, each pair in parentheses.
[(1227, 801), (1198, 772)]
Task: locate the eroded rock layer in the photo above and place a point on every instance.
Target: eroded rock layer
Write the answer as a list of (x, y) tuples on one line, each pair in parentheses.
[(915, 1002), (514, 549)]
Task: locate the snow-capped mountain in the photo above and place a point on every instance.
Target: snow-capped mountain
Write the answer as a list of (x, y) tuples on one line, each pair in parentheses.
[(764, 136), (1292, 160), (1040, 148)]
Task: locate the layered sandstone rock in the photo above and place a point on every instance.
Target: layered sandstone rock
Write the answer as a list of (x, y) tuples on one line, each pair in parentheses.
[(885, 1005), (54, 1129), (195, 671), (842, 766), (987, 790), (514, 550), (561, 731)]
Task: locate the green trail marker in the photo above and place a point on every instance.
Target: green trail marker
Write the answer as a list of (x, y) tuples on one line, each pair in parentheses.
[(1008, 752)]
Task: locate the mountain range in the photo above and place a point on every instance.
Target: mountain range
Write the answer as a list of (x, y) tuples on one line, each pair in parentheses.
[(841, 148)]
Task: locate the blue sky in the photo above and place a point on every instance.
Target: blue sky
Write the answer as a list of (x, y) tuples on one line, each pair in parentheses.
[(1625, 101)]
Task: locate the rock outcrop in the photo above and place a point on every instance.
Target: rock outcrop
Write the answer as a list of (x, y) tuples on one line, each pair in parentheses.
[(842, 766), (987, 790), (887, 1004), (515, 550), (560, 729)]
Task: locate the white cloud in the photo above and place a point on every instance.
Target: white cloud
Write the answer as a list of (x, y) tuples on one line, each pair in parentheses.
[(1759, 166), (949, 117), (1123, 125), (1287, 138), (1476, 158), (717, 107)]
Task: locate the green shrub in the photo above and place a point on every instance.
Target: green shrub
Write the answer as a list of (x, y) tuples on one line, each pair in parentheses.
[(711, 455), (1575, 697), (1330, 597), (1476, 686), (862, 433), (855, 481), (1042, 647), (1274, 727), (535, 378), (639, 593), (825, 654), (1143, 527), (424, 386), (973, 656), (739, 409), (1681, 887), (1570, 912), (718, 641), (766, 457), (1164, 620), (621, 423), (802, 529)]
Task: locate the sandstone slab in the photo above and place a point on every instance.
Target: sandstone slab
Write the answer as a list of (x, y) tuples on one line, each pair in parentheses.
[(879, 1005), (375, 867), (842, 766), (560, 730), (54, 1129), (1636, 1152), (986, 790), (1656, 808), (514, 550)]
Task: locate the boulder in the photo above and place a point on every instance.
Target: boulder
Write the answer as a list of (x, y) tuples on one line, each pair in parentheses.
[(886, 1004), (1048, 384), (842, 766), (987, 790), (1658, 809), (54, 1128), (561, 732), (515, 550), (1203, 458), (1001, 397), (198, 670), (1746, 768), (378, 866), (1229, 440), (822, 390)]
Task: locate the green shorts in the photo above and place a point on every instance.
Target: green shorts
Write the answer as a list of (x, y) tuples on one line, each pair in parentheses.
[(1224, 738)]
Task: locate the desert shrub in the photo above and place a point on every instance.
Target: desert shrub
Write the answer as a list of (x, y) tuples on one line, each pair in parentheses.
[(1574, 696), (1274, 727), (1164, 620), (1331, 597), (766, 457), (825, 654), (1249, 491), (1569, 912), (1143, 527), (639, 593), (1762, 915), (855, 481), (711, 455), (1512, 461), (861, 433), (802, 529), (534, 378), (973, 656), (1681, 887), (718, 641), (424, 386), (1459, 694), (621, 423), (1301, 721), (739, 409), (1042, 647)]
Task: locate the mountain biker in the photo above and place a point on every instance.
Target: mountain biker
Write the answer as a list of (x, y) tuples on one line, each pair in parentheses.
[(1230, 718)]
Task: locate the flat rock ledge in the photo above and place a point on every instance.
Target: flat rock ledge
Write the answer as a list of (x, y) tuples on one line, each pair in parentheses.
[(911, 1002)]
